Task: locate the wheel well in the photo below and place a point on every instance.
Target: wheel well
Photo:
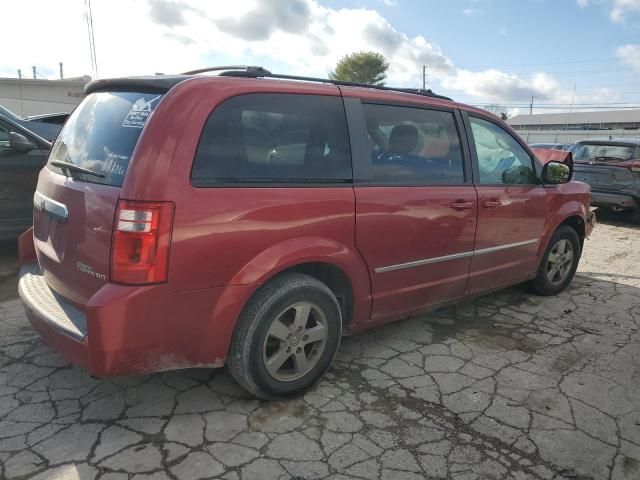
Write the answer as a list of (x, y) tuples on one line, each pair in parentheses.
[(577, 223), (334, 278)]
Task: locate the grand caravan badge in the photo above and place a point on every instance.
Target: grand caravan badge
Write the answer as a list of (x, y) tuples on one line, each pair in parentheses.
[(139, 113), (88, 269)]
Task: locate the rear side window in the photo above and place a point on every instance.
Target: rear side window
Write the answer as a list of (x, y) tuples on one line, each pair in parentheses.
[(272, 139), (413, 146), (100, 135)]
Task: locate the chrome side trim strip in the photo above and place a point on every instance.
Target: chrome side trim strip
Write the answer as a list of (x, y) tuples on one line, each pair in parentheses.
[(482, 251), (454, 256), (419, 263), (50, 206)]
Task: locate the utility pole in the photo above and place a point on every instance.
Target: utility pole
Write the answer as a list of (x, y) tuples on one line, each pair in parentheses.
[(424, 77), (531, 106), (61, 75), (20, 74), (34, 71)]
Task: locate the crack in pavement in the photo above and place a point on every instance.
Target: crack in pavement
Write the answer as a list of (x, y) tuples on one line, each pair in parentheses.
[(507, 386)]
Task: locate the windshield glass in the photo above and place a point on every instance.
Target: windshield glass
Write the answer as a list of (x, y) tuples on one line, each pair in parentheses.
[(101, 133), (586, 151)]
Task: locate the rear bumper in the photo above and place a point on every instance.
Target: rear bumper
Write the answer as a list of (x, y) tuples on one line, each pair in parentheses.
[(125, 330), (608, 199)]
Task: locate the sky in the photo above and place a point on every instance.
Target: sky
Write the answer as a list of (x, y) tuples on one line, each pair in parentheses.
[(483, 52)]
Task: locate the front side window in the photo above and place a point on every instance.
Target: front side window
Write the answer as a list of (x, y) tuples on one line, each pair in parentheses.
[(413, 146), (501, 159), (274, 138)]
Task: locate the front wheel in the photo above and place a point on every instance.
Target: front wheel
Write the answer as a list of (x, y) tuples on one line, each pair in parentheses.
[(559, 262), (286, 337)]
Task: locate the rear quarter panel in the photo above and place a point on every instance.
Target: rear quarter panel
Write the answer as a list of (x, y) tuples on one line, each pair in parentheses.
[(238, 236)]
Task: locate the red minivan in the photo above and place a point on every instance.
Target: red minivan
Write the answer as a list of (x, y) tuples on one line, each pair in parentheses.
[(253, 219)]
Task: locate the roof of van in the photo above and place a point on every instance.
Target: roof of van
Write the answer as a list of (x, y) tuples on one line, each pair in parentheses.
[(163, 83)]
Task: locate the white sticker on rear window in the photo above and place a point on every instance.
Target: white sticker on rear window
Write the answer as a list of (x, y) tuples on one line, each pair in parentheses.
[(140, 111)]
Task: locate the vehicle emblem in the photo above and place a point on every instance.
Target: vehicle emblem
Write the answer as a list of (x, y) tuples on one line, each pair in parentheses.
[(88, 269)]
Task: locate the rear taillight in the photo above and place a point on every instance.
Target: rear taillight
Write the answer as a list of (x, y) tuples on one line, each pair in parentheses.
[(635, 166), (141, 241)]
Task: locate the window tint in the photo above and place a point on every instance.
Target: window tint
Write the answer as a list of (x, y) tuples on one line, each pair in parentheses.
[(274, 138), (413, 146), (501, 159), (101, 133)]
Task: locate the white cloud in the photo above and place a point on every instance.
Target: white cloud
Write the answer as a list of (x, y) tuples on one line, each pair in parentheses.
[(621, 8), (390, 3), (630, 54), (289, 36)]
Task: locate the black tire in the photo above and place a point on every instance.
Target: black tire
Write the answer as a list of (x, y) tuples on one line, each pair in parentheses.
[(634, 216), (542, 285), (246, 361)]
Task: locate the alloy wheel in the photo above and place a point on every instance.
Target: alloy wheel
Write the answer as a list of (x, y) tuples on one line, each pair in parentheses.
[(295, 341), (560, 262)]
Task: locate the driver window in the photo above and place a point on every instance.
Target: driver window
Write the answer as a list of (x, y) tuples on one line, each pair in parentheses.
[(501, 160)]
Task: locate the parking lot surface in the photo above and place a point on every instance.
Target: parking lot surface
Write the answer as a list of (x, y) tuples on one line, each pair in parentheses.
[(508, 386)]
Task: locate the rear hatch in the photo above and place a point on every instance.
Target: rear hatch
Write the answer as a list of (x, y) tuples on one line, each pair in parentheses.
[(78, 190), (606, 166)]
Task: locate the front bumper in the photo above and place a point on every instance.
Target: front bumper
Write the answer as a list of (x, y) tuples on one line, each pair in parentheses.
[(609, 199), (127, 329)]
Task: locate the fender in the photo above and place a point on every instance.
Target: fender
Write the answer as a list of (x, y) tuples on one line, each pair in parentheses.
[(573, 208), (311, 250), (275, 260)]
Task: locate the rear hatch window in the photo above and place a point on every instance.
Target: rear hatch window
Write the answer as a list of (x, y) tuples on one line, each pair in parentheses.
[(604, 153), (100, 135)]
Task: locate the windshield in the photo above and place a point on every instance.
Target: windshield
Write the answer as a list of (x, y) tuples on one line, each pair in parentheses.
[(100, 135), (586, 151)]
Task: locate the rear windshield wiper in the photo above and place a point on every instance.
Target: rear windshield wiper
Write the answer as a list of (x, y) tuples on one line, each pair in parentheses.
[(70, 167)]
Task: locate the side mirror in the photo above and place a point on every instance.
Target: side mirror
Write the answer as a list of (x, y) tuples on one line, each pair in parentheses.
[(20, 143), (554, 173)]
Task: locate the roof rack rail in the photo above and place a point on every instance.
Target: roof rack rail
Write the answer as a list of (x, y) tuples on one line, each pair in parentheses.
[(235, 68), (257, 72)]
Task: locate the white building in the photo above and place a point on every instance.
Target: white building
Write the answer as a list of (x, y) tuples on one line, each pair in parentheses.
[(34, 97), (609, 119)]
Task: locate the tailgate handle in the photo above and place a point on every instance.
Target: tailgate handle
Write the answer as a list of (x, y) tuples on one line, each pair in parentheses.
[(50, 207)]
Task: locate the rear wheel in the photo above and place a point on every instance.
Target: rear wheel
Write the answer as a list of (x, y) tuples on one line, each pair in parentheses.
[(286, 337), (635, 216), (559, 262)]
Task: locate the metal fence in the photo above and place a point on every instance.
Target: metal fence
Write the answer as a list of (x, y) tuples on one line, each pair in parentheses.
[(571, 136)]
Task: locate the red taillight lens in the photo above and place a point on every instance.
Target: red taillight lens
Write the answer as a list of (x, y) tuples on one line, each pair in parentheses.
[(635, 166), (141, 241)]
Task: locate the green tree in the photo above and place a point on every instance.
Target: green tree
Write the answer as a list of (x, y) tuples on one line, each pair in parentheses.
[(361, 67)]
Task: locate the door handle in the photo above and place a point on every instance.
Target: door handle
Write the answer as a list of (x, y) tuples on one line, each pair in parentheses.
[(491, 203), (461, 205)]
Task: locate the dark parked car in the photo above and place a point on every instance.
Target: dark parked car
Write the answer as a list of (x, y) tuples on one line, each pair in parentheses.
[(552, 146), (46, 126), (192, 221), (612, 168), (23, 152)]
